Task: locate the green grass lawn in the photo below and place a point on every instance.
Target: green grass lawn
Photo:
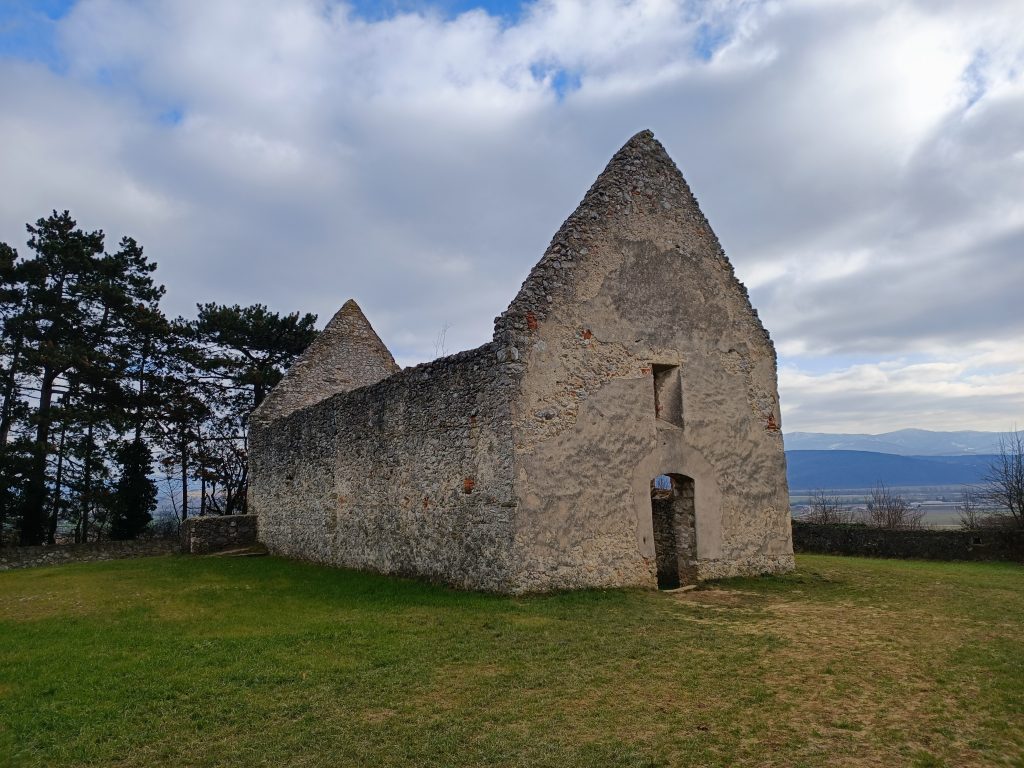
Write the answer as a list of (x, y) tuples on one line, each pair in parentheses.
[(211, 662)]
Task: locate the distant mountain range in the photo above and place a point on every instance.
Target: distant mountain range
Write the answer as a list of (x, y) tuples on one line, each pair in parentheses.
[(808, 470), (904, 442)]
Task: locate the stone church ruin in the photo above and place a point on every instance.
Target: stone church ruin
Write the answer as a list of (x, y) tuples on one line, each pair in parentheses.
[(620, 429)]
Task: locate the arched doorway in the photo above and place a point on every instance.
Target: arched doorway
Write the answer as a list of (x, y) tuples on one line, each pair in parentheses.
[(675, 535)]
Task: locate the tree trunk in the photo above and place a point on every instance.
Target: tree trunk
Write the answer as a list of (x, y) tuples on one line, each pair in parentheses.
[(184, 474), (51, 534), (33, 524), (87, 469), (139, 417), (6, 417)]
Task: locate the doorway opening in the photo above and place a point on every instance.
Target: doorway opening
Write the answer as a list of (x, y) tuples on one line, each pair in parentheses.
[(675, 532)]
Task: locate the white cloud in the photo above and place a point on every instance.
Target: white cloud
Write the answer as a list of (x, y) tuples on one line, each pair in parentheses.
[(861, 162), (879, 397)]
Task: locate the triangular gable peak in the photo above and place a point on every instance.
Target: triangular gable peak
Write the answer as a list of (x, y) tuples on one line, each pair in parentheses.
[(639, 189), (346, 355)]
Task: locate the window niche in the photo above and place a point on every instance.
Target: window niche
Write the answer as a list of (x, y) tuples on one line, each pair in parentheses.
[(668, 394)]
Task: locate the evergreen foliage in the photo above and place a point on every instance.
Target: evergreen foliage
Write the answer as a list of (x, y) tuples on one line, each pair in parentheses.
[(135, 495), (94, 376)]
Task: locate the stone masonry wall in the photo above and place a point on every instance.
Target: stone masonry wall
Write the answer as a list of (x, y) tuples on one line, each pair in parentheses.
[(924, 545), (347, 354), (635, 279), (215, 533), (410, 476), (30, 557)]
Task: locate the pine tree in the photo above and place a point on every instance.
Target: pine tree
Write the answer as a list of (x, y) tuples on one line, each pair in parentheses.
[(79, 330), (13, 456), (251, 346), (183, 406), (92, 375), (135, 494), (61, 285), (243, 353)]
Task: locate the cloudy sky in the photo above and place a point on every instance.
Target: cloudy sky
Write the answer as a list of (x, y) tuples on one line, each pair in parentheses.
[(862, 162)]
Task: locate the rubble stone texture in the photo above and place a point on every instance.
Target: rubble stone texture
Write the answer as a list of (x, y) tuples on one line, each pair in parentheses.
[(631, 351), (214, 533), (346, 355), (94, 551)]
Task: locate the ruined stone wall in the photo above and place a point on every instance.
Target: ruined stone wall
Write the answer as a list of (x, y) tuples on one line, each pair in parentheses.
[(345, 355), (636, 278), (526, 464), (674, 540), (409, 476), (215, 533), (31, 557)]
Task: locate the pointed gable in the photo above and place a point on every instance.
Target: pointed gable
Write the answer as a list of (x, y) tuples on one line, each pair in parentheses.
[(639, 191), (347, 354)]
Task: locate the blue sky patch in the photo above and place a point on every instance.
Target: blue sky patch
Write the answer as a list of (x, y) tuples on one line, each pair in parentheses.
[(375, 10), (974, 78), (709, 39), (562, 81), (27, 30), (172, 116)]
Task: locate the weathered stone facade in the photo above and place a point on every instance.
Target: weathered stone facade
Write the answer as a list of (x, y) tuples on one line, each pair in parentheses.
[(630, 352), (346, 355), (214, 533)]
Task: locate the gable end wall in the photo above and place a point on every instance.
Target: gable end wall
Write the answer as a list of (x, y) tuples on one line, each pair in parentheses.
[(636, 278)]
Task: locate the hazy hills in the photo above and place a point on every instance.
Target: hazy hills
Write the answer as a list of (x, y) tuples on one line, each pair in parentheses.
[(808, 470), (904, 442), (907, 457)]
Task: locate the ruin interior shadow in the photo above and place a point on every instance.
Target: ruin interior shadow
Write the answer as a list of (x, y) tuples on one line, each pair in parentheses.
[(675, 534)]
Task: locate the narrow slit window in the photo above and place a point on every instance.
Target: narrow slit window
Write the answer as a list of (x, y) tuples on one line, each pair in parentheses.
[(668, 394)]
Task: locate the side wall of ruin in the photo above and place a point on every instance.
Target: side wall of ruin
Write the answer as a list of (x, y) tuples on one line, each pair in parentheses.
[(409, 476)]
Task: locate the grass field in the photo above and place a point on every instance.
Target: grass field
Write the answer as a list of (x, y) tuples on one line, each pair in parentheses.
[(216, 662)]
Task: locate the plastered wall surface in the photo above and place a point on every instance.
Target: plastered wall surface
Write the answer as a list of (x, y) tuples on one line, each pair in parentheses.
[(635, 278)]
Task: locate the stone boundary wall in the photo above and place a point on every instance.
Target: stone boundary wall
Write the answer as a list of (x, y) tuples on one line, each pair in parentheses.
[(923, 545), (214, 533), (31, 557)]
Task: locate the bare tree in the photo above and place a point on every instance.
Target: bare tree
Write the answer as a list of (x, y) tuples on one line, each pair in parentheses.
[(888, 509), (441, 342), (826, 509), (1004, 481), (971, 516)]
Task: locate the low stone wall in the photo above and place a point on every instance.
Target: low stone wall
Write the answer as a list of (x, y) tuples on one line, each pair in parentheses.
[(923, 545), (202, 535), (30, 557)]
